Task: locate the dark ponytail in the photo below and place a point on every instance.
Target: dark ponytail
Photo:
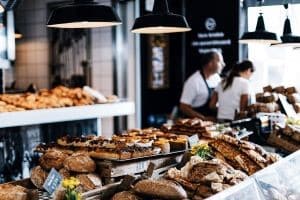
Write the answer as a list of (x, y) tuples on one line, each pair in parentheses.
[(235, 72)]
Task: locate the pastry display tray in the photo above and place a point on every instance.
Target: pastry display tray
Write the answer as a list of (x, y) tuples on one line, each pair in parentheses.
[(144, 157)]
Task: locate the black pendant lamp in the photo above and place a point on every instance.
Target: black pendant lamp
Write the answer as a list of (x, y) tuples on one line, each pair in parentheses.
[(161, 20), (83, 14), (260, 35), (288, 39)]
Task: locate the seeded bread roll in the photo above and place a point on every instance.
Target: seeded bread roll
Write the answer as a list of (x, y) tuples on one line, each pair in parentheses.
[(125, 196), (80, 162), (38, 177), (53, 159), (160, 189)]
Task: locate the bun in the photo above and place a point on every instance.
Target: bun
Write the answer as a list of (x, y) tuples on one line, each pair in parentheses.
[(38, 177), (53, 159), (80, 162)]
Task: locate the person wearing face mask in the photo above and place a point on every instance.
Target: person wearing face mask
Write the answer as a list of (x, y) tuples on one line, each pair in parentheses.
[(233, 94), (198, 88)]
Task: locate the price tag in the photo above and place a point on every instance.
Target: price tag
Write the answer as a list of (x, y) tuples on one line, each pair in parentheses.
[(53, 181), (126, 183), (193, 140), (140, 166), (150, 170)]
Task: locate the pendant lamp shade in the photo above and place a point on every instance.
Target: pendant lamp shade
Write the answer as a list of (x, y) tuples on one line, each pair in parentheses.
[(260, 35), (161, 20), (287, 38), (83, 14)]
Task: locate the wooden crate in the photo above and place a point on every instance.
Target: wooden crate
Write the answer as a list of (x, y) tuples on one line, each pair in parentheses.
[(116, 169)]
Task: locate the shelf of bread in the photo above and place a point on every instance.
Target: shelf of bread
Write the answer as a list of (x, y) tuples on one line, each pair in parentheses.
[(130, 146), (268, 101), (58, 105), (286, 136)]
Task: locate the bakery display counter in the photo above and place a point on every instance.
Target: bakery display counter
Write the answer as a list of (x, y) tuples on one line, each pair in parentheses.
[(218, 166)]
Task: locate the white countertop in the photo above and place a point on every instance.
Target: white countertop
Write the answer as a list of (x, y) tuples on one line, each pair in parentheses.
[(42, 116)]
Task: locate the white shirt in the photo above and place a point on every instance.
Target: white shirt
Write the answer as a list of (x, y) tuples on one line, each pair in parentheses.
[(195, 92), (229, 100)]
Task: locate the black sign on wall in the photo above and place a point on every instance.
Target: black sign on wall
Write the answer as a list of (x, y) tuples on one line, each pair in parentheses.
[(215, 25)]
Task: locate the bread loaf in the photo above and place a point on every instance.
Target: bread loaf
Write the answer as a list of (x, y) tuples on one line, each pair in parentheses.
[(160, 189), (80, 162), (53, 159)]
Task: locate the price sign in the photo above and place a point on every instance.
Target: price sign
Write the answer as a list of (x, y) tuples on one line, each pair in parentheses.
[(53, 181), (140, 166), (193, 140)]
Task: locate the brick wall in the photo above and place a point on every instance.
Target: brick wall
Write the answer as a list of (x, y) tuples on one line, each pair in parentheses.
[(32, 56)]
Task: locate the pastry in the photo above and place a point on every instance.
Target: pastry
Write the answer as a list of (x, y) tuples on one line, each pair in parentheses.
[(38, 176), (153, 188), (164, 145), (102, 153), (53, 159), (80, 162)]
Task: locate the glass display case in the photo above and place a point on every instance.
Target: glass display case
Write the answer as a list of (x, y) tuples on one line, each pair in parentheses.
[(276, 182)]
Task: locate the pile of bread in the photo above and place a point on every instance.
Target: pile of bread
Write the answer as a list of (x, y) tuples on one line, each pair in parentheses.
[(78, 165), (287, 138), (267, 101), (232, 162), (132, 144), (204, 178), (242, 155), (191, 127), (55, 98)]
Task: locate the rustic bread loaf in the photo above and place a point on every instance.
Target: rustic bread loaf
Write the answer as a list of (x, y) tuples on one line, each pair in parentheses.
[(160, 189), (53, 159), (80, 162)]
